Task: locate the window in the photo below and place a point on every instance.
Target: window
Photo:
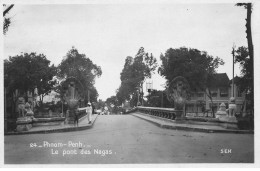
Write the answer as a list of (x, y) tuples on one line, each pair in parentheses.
[(223, 92)]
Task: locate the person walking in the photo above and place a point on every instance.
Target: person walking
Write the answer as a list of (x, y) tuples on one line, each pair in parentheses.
[(89, 112)]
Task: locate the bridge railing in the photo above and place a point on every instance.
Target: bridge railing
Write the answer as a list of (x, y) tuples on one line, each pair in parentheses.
[(169, 113)]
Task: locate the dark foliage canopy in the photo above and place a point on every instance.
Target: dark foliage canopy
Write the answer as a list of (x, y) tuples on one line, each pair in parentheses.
[(196, 66), (83, 69), (26, 72), (135, 71)]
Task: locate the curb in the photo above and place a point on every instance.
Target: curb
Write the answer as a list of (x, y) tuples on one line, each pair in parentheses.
[(185, 128), (59, 130)]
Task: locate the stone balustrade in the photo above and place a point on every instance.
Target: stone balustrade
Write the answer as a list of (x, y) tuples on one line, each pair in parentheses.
[(168, 113)]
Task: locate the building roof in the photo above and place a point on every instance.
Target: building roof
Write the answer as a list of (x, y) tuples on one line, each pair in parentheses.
[(220, 80)]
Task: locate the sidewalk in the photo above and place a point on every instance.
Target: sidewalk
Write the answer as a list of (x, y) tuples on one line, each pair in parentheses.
[(171, 124), (83, 124)]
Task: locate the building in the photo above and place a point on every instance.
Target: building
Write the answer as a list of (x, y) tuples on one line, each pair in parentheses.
[(221, 91)]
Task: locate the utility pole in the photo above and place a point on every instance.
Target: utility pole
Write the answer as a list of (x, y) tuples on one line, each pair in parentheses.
[(88, 97), (233, 52)]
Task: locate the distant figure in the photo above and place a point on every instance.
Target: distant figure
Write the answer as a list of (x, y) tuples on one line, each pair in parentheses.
[(76, 118), (89, 112), (106, 110)]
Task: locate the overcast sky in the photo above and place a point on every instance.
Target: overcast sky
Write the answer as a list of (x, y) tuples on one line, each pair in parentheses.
[(107, 34)]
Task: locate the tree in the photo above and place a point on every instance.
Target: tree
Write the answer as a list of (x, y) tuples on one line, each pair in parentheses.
[(135, 71), (7, 20), (26, 72), (100, 104), (246, 83), (124, 91), (248, 7), (196, 66), (83, 69), (245, 56), (112, 102)]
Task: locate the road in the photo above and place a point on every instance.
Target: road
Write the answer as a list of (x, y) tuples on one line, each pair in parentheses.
[(125, 139)]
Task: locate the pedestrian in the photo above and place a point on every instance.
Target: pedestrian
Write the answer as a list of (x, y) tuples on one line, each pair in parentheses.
[(76, 118), (89, 112)]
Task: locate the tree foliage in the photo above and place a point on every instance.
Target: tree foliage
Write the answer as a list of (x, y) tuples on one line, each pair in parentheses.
[(83, 69), (135, 71), (112, 100), (194, 65), (246, 82), (100, 104), (113, 104), (245, 56), (26, 72), (248, 7)]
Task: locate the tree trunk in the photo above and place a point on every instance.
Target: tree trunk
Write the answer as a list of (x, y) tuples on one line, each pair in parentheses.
[(249, 33), (250, 47)]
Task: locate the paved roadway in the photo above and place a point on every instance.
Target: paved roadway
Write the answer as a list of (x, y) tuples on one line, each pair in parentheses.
[(130, 140)]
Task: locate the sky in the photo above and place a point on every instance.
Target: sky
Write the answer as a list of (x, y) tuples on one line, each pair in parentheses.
[(108, 33)]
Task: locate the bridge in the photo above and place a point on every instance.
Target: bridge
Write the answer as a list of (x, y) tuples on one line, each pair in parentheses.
[(143, 136)]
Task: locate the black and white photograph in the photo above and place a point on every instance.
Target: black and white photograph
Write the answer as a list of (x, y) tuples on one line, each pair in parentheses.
[(129, 83)]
